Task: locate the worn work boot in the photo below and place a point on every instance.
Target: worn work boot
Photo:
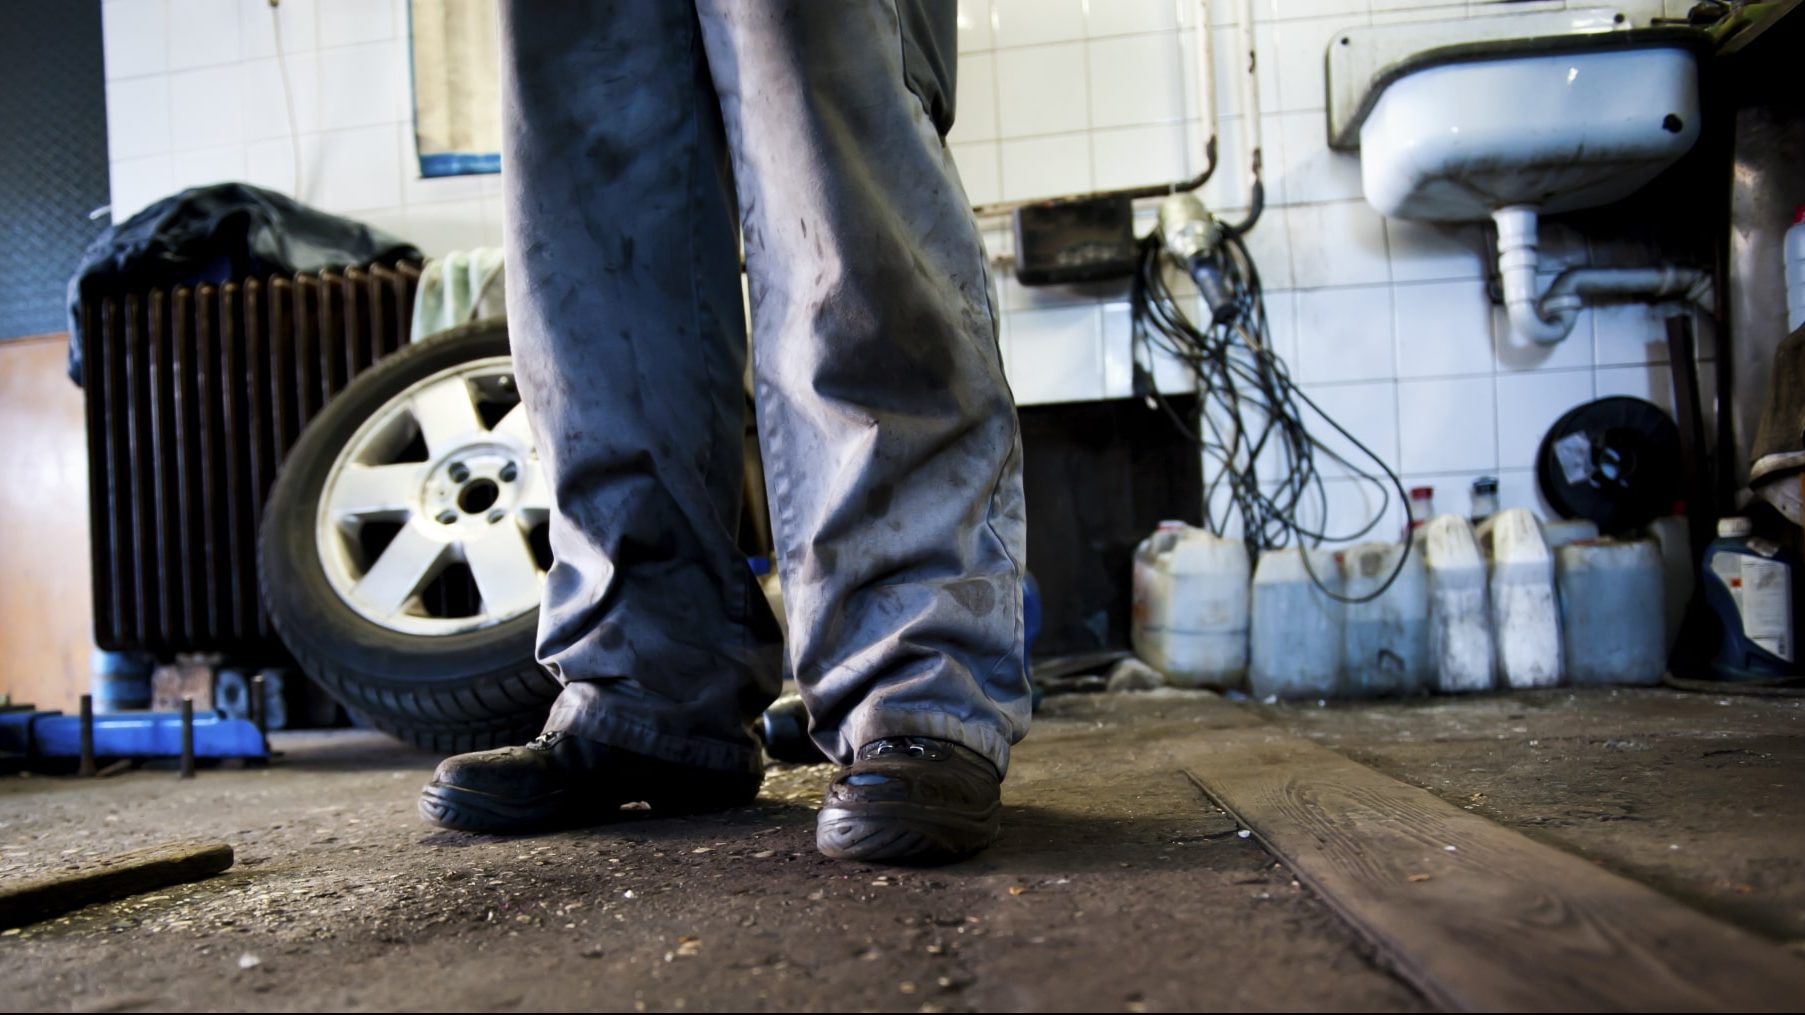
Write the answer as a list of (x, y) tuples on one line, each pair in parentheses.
[(910, 800), (560, 779)]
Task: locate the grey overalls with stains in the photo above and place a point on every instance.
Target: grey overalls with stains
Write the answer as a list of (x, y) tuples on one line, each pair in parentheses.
[(634, 131)]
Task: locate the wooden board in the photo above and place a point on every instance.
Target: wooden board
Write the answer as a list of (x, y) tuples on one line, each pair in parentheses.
[(1477, 916), (46, 617), (115, 877)]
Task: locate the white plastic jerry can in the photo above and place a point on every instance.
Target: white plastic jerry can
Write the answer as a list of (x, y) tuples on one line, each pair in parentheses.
[(1525, 613), (1562, 531), (1461, 654), (1385, 642), (1152, 593), (1190, 607), (1296, 639), (1612, 622)]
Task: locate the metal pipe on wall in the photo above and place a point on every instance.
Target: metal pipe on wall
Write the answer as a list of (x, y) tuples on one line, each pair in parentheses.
[(1547, 316), (1250, 88), (1206, 85)]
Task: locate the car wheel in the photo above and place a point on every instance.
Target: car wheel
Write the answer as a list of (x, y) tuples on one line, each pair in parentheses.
[(404, 546)]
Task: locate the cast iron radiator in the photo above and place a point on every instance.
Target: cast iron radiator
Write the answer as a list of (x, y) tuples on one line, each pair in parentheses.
[(194, 397)]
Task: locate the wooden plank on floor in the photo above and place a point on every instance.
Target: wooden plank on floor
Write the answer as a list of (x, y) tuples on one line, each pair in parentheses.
[(1477, 916), (113, 877)]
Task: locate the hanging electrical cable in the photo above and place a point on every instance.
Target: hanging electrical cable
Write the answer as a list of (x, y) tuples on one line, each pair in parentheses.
[(288, 94), (1249, 411)]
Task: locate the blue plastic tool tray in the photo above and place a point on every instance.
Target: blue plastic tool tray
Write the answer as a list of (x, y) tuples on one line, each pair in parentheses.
[(32, 734)]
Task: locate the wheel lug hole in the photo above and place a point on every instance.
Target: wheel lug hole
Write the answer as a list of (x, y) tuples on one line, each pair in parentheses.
[(459, 473), (496, 516), (448, 517), (508, 472), (478, 497)]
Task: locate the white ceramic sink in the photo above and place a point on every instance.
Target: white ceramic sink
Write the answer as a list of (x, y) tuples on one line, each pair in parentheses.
[(1553, 123)]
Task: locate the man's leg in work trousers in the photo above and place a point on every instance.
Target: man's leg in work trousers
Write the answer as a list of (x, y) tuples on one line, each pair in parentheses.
[(889, 434), (625, 312), (890, 439)]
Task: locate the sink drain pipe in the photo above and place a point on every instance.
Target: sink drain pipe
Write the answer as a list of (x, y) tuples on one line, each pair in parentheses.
[(1548, 317)]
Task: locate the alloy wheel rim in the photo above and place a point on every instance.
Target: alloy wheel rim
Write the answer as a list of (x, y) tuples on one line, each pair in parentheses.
[(433, 518)]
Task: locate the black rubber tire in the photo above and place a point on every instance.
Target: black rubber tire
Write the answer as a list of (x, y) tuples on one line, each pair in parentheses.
[(455, 692), (456, 740)]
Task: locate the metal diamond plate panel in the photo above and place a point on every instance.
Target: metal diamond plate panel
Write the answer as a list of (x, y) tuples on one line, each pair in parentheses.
[(53, 155)]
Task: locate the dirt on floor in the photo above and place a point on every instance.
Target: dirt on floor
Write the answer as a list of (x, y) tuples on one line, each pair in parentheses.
[(1117, 887), (1701, 796)]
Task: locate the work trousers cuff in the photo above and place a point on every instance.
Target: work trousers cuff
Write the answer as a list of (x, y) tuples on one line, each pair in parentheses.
[(593, 721), (867, 725)]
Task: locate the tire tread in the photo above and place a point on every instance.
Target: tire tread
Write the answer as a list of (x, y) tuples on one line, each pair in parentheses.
[(412, 688)]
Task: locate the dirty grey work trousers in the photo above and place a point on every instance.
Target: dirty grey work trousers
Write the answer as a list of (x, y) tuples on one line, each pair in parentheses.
[(634, 133)]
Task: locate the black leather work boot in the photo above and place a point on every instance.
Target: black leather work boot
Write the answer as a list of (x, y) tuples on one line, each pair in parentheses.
[(560, 779), (910, 800)]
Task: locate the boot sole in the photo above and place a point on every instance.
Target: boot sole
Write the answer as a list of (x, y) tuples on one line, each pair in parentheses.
[(904, 833), (466, 810)]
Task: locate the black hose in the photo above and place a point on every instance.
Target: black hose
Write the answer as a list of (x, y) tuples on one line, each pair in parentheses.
[(1248, 410), (1255, 205)]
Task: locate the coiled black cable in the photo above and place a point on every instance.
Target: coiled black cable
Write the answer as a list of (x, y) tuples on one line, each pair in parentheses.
[(1248, 408)]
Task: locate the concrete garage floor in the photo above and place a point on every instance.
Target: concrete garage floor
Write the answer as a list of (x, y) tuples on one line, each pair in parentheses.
[(1118, 886)]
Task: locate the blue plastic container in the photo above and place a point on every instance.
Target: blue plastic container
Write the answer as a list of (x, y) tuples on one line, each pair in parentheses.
[(1751, 585), (119, 681)]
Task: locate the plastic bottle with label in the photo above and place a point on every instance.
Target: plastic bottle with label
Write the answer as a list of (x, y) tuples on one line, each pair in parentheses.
[(1190, 606), (1751, 585), (1484, 499), (1422, 508)]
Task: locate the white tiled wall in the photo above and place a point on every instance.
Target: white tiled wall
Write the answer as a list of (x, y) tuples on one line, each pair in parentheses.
[(195, 95), (1384, 322)]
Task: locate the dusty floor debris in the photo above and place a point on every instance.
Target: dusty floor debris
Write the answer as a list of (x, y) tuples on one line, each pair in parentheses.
[(1117, 887)]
